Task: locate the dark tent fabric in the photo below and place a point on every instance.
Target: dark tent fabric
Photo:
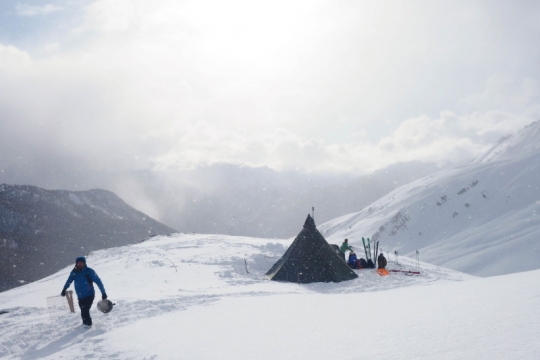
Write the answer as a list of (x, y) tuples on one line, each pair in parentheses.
[(310, 259), (335, 248)]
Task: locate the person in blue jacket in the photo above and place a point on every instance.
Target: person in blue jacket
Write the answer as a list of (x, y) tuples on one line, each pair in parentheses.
[(84, 278)]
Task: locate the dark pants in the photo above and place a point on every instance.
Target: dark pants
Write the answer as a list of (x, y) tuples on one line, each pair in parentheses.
[(85, 305)]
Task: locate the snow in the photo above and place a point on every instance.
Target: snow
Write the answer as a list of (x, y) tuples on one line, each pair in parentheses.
[(482, 219), (188, 296), (75, 199), (523, 143)]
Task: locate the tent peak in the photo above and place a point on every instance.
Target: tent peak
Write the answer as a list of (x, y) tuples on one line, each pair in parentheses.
[(310, 223)]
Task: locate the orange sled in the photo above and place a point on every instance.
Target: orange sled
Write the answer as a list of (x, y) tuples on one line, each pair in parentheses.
[(382, 272)]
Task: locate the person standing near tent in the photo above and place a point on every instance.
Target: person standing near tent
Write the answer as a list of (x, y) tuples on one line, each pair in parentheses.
[(344, 247), (84, 278), (381, 261)]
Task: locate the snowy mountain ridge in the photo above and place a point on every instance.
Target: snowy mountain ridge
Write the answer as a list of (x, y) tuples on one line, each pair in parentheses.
[(524, 143), (481, 219)]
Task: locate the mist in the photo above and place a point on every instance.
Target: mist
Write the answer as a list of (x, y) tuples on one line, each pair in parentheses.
[(137, 97)]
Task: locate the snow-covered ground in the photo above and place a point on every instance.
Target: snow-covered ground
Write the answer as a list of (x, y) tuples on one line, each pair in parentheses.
[(482, 219), (189, 296)]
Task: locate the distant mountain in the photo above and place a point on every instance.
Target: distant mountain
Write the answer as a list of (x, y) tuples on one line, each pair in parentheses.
[(42, 231), (237, 200), (482, 219), (261, 202)]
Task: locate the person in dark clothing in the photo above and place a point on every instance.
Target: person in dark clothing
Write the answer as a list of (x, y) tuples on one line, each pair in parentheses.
[(381, 261), (84, 279)]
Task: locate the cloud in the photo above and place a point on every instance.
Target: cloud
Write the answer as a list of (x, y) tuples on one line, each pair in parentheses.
[(319, 86), (43, 10), (449, 138), (13, 60), (504, 92)]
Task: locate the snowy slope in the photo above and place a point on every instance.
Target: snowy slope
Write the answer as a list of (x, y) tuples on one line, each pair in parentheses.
[(482, 219), (189, 296), (521, 144)]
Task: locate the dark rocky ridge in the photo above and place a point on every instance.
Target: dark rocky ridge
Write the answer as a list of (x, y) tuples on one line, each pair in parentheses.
[(42, 231)]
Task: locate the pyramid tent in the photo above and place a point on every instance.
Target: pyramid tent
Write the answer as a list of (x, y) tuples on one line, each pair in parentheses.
[(310, 259)]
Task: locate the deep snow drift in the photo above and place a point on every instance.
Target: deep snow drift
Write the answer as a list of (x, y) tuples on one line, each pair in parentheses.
[(482, 219), (191, 297)]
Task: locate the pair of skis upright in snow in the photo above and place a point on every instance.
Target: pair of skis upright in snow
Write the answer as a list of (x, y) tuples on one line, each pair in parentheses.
[(367, 250)]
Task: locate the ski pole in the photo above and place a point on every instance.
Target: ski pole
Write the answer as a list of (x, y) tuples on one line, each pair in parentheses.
[(376, 249)]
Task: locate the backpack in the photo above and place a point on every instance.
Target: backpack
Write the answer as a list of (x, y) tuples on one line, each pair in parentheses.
[(363, 263), (370, 264)]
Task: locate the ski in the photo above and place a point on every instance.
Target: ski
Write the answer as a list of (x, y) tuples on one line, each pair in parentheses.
[(365, 249), (406, 271)]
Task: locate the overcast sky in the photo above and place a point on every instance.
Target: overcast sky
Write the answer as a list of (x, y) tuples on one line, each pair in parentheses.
[(100, 86)]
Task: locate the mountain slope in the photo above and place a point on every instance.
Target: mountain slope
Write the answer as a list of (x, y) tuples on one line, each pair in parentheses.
[(482, 218), (42, 231)]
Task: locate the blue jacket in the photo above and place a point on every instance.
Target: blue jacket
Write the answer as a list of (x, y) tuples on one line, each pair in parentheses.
[(84, 280)]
